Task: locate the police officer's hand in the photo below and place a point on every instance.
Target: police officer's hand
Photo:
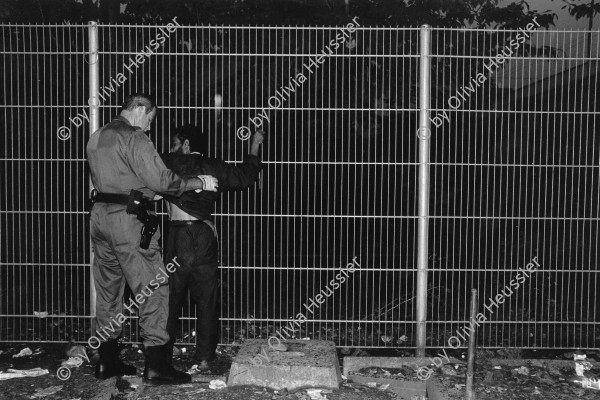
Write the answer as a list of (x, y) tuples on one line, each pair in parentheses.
[(209, 182)]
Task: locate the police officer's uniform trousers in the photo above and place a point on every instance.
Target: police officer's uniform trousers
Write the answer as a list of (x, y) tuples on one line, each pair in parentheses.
[(118, 259)]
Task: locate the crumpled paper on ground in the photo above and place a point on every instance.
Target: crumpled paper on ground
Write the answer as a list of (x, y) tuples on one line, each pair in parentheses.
[(581, 365), (22, 373), (72, 362), (25, 352), (217, 384)]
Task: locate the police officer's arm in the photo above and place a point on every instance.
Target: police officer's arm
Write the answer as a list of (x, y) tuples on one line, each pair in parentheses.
[(151, 170)]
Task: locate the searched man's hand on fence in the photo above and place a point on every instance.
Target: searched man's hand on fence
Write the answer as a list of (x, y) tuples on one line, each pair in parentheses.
[(210, 183), (259, 137), (257, 140)]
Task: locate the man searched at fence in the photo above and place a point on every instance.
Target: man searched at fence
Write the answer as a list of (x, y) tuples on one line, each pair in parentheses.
[(126, 171), (192, 236)]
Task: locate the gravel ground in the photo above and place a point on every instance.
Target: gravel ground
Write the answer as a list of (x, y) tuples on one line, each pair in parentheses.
[(527, 381), (81, 383)]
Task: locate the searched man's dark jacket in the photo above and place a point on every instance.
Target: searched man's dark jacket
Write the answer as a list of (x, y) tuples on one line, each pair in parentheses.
[(230, 177)]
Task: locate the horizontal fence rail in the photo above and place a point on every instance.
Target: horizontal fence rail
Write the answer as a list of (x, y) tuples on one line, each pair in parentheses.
[(512, 158)]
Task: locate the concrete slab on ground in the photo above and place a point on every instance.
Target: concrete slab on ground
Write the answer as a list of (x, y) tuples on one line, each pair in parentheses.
[(357, 363), (305, 364), (405, 390)]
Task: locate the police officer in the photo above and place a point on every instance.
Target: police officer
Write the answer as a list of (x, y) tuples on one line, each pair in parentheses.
[(122, 158), (192, 236)]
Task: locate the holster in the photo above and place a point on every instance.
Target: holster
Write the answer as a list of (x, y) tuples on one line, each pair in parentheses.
[(136, 204), (139, 205)]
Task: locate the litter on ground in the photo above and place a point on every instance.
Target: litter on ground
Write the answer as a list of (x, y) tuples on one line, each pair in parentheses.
[(25, 352), (217, 384), (39, 393), (72, 362), (22, 373)]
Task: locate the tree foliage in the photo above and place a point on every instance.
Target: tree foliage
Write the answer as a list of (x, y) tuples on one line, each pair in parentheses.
[(437, 13), (587, 9)]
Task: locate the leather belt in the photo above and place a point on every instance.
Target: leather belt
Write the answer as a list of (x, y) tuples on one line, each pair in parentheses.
[(117, 198), (185, 222), (210, 224), (111, 198)]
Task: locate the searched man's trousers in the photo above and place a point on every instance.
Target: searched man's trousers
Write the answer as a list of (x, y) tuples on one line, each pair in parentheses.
[(196, 249), (118, 259)]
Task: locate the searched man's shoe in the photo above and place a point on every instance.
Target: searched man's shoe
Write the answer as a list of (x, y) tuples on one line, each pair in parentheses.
[(202, 358), (159, 371), (109, 364)]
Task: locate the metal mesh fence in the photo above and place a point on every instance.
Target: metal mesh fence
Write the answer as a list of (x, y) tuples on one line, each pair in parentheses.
[(513, 176), (44, 253)]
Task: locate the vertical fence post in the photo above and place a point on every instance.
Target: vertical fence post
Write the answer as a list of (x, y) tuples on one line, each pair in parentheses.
[(423, 134), (472, 344), (94, 102)]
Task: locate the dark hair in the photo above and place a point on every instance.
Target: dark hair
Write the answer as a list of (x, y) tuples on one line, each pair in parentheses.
[(193, 134), (138, 100)]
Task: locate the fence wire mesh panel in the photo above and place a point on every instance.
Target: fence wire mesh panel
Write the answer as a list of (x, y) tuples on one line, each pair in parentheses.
[(515, 153), (44, 252), (339, 179), (513, 176)]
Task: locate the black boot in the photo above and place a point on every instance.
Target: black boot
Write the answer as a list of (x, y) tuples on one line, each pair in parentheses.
[(159, 371), (109, 364), (169, 352)]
